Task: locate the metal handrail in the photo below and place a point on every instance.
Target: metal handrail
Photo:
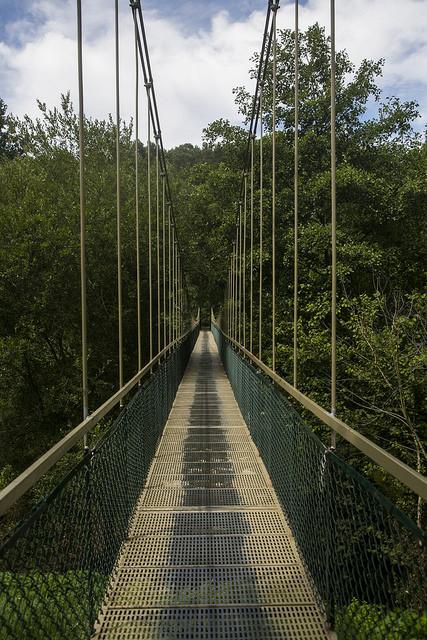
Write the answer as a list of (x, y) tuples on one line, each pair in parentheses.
[(28, 478), (395, 467)]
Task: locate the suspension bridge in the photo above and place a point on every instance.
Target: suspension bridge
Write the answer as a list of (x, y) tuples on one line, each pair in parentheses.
[(207, 508)]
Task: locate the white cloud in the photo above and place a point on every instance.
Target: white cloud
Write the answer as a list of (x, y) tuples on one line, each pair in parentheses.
[(374, 29), (194, 72)]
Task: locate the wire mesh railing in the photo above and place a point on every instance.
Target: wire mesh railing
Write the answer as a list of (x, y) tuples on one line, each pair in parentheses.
[(55, 567), (366, 559)]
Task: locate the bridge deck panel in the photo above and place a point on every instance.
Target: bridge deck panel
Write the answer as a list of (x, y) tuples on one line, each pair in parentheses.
[(209, 553)]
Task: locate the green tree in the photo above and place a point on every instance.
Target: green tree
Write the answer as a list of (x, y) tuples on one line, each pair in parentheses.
[(382, 198), (8, 146), (40, 343)]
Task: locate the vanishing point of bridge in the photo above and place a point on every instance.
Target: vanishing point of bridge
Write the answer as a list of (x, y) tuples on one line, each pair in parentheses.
[(209, 552)]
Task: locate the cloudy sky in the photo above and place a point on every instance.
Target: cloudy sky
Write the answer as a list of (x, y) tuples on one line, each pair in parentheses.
[(199, 51)]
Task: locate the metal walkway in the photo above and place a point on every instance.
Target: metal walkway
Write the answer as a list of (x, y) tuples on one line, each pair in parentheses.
[(209, 554)]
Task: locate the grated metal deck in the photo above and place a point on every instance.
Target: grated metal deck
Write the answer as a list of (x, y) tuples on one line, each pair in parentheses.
[(209, 554)]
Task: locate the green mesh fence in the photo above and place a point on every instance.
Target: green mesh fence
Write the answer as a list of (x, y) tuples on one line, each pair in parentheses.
[(55, 566), (366, 559)]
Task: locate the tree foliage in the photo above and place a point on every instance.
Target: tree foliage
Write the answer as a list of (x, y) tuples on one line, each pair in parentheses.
[(382, 197), (40, 342)]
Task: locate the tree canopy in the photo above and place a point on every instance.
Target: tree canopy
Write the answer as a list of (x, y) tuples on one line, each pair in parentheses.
[(382, 197)]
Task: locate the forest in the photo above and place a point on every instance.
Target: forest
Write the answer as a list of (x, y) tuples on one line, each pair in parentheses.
[(382, 241)]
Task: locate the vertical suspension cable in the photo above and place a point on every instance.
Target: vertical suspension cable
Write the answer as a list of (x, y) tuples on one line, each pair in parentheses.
[(173, 282), (236, 319), (83, 276), (176, 292), (150, 266), (181, 299), (296, 203), (169, 277), (333, 228), (229, 297), (178, 301), (251, 291), (273, 195), (232, 289), (138, 257), (261, 223), (177, 289), (230, 328), (240, 273), (119, 248), (235, 306), (159, 295), (230, 294), (164, 255), (184, 299), (235, 292), (244, 257), (226, 307)]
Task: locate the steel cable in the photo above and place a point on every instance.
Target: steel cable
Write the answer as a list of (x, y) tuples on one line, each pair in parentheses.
[(150, 257), (261, 223), (158, 245), (251, 291), (296, 159), (119, 247), (240, 272), (333, 228), (245, 197), (169, 277), (273, 193), (164, 255), (83, 275), (137, 233)]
